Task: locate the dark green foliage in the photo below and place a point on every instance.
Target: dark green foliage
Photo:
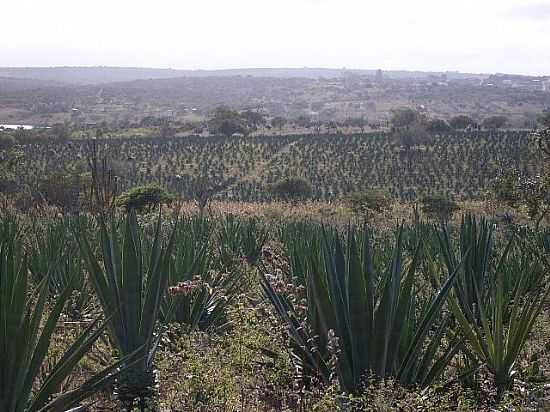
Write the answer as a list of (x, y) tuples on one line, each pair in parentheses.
[(494, 122), (143, 198), (438, 126), (26, 331), (544, 118), (130, 286), (278, 122), (63, 190), (517, 190), (227, 122), (438, 207), (461, 122), (404, 117), (498, 296), (55, 257), (359, 122), (200, 291), (239, 238), (6, 141), (462, 164), (363, 310), (292, 189)]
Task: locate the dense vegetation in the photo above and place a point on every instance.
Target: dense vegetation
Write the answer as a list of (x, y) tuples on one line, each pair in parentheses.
[(219, 312), (406, 165), (124, 288)]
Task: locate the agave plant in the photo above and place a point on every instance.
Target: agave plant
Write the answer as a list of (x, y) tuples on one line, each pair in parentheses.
[(26, 330), (241, 238), (476, 238), (131, 290), (496, 315), (54, 255), (380, 325), (199, 296)]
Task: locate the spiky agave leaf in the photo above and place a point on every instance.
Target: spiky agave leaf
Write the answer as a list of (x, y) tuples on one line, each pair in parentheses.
[(132, 290), (26, 330)]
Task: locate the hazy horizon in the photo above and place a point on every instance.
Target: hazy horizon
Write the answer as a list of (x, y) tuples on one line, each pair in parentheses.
[(495, 36)]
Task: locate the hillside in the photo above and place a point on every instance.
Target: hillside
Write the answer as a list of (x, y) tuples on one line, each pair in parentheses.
[(100, 75)]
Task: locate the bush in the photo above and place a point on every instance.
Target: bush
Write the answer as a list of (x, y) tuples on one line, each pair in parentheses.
[(375, 200), (143, 197), (494, 122), (6, 141), (63, 190), (404, 117), (438, 126), (461, 122), (439, 207), (292, 188)]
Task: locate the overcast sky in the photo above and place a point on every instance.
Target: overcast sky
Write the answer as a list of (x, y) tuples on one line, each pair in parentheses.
[(511, 36)]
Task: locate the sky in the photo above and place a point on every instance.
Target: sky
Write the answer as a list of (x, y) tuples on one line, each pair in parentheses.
[(476, 36)]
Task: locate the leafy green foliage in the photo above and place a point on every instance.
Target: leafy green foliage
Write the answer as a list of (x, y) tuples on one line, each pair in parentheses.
[(292, 188), (404, 117), (545, 118), (517, 190), (438, 207), (461, 122), (143, 198), (227, 122), (438, 126), (278, 122), (494, 122)]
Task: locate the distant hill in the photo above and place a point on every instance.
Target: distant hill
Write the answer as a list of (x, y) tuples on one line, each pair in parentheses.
[(13, 84), (101, 75)]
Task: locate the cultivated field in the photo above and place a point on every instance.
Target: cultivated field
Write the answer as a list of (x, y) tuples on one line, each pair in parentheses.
[(458, 165)]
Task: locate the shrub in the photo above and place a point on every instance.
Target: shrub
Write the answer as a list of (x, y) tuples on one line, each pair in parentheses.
[(143, 197), (438, 206), (292, 188), (438, 126), (495, 122), (63, 191), (374, 200), (6, 141), (461, 122)]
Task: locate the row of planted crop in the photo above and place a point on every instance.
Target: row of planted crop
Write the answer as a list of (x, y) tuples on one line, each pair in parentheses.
[(407, 305)]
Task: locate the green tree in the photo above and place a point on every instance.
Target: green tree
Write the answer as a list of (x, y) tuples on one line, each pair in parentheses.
[(544, 119), (404, 117), (229, 127), (143, 198), (7, 141), (279, 122), (292, 189), (370, 200), (253, 119), (411, 136), (227, 122), (438, 126), (438, 206), (303, 121), (360, 122), (461, 122), (494, 122), (61, 131)]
